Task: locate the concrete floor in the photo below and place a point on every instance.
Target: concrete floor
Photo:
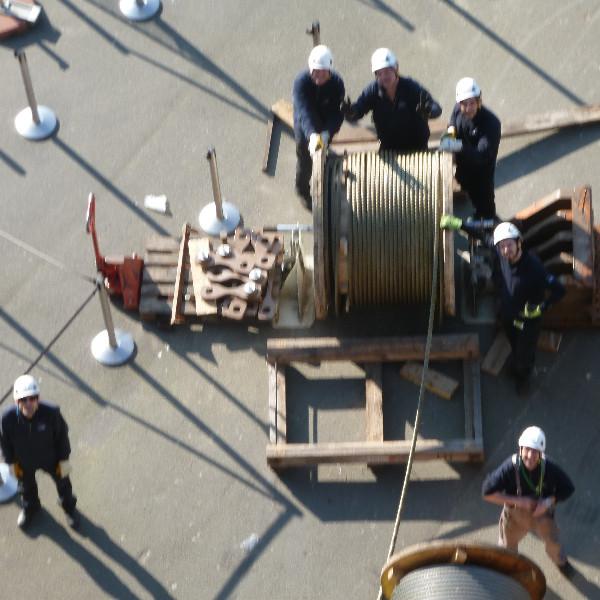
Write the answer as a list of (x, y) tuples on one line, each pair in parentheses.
[(169, 450)]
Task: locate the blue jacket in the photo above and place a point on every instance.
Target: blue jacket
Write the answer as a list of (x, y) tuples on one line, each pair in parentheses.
[(317, 108), (36, 443), (402, 124)]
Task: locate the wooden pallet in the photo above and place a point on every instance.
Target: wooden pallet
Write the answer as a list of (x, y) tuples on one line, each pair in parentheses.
[(159, 278), (372, 352)]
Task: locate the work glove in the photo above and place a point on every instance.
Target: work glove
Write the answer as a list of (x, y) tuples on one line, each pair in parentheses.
[(63, 469), (450, 222), (349, 114), (449, 144), (314, 143), (15, 470), (531, 311), (518, 324)]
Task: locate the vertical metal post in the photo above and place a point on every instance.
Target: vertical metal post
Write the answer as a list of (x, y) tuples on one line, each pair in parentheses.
[(20, 54), (211, 156), (315, 31), (106, 314)]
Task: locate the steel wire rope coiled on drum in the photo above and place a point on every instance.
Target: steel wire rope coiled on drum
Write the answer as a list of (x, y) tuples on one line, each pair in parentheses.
[(393, 200)]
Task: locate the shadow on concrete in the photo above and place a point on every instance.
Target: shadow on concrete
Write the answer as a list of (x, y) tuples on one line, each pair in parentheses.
[(544, 152), (109, 185), (516, 54), (41, 35), (12, 164), (163, 34), (386, 9), (104, 576)]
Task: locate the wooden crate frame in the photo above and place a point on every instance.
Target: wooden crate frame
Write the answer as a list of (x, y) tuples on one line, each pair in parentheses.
[(372, 353)]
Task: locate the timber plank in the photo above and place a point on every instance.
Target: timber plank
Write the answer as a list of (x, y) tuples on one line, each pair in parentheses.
[(475, 378), (181, 276), (281, 405), (374, 401), (272, 371), (468, 400), (199, 278), (496, 356), (363, 350), (436, 382), (386, 452)]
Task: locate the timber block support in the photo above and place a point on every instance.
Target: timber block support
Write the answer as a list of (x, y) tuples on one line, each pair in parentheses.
[(371, 353)]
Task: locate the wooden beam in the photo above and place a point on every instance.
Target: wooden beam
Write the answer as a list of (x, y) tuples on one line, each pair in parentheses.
[(270, 123), (436, 382), (176, 316), (476, 397), (281, 405), (468, 400), (294, 455), (374, 398), (363, 350), (272, 371), (496, 356)]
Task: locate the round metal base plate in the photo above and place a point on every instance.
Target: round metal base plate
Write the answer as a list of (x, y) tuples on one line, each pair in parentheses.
[(108, 356), (139, 12), (9, 484), (209, 223), (26, 126)]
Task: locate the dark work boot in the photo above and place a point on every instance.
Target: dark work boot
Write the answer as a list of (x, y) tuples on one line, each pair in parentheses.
[(25, 517), (567, 569), (73, 519)]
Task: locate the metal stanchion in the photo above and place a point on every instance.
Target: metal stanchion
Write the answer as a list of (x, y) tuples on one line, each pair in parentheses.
[(33, 122), (139, 10), (219, 215), (111, 346), (8, 484)]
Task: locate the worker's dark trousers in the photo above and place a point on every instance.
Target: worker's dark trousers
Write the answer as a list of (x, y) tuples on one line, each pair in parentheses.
[(482, 199), (303, 171), (29, 492), (523, 344)]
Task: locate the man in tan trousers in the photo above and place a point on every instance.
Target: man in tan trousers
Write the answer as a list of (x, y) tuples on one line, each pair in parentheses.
[(528, 485)]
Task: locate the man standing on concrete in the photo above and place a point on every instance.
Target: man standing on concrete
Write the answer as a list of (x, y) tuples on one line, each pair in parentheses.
[(528, 485), (34, 435), (401, 107), (524, 287), (317, 96), (474, 136)]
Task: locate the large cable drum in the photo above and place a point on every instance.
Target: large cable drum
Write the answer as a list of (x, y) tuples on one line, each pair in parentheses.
[(376, 218), (454, 570)]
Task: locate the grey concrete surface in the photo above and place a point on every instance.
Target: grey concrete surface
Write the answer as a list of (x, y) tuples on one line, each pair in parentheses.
[(169, 450)]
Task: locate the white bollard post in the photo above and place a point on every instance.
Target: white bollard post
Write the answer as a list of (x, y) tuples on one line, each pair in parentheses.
[(139, 10), (219, 215), (111, 347), (33, 122)]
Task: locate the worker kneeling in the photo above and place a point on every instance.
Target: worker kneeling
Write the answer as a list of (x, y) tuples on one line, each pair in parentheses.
[(524, 287), (528, 486)]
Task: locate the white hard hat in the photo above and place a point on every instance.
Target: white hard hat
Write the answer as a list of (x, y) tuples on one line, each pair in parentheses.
[(382, 58), (25, 386), (533, 437), (467, 88), (320, 57), (506, 231)]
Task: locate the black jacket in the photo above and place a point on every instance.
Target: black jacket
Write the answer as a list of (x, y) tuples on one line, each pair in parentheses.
[(504, 480), (317, 108), (402, 124), (39, 443), (476, 162), (526, 281)]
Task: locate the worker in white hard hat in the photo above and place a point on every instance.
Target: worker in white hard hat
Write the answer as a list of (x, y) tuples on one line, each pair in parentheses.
[(34, 436), (524, 287), (474, 136), (401, 107), (528, 485), (318, 94)]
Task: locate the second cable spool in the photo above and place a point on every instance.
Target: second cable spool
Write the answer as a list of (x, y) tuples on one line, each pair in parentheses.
[(375, 215)]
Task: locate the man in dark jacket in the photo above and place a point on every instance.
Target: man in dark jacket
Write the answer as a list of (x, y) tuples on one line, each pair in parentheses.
[(474, 137), (524, 287), (317, 96), (34, 435), (400, 106), (528, 485)]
